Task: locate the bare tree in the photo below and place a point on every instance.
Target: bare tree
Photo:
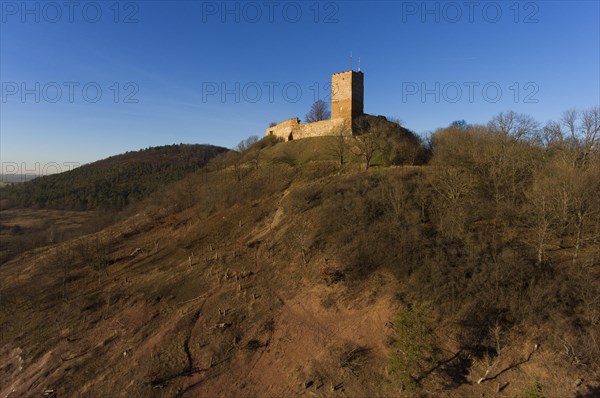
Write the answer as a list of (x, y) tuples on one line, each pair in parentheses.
[(584, 198), (569, 121), (541, 215), (368, 145), (552, 135), (318, 111), (590, 133), (254, 157), (578, 135), (247, 143), (339, 144), (454, 190), (515, 125)]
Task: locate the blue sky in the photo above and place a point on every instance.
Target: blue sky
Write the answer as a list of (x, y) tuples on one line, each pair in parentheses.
[(217, 72)]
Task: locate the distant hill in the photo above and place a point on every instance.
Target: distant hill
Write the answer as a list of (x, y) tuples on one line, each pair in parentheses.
[(7, 179), (111, 183)]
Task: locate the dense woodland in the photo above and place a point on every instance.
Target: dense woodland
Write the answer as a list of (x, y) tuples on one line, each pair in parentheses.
[(111, 183)]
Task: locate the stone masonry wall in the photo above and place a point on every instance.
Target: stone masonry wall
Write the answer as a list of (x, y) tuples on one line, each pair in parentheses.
[(284, 129), (347, 94), (292, 130), (341, 95), (318, 129)]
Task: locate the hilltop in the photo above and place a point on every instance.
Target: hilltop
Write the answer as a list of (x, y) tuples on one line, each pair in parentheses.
[(281, 271)]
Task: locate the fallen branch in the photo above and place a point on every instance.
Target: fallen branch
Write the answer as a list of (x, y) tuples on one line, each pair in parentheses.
[(74, 356), (194, 299), (437, 366), (509, 367)]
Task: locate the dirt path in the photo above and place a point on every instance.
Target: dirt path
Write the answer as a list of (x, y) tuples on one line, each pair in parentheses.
[(261, 233)]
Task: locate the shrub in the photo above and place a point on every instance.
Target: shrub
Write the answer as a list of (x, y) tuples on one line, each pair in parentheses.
[(415, 348), (533, 391)]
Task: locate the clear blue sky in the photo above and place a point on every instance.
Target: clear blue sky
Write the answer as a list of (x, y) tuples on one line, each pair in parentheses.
[(173, 59)]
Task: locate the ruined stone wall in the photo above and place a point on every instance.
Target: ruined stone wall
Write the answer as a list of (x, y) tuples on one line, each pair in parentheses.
[(284, 129), (318, 129), (292, 130), (346, 106)]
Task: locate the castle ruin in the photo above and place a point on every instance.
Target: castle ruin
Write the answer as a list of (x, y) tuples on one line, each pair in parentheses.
[(347, 92)]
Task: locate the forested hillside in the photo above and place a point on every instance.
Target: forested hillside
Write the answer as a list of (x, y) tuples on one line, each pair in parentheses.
[(111, 183)]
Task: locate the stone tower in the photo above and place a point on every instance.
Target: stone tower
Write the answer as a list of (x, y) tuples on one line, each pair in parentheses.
[(347, 93)]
